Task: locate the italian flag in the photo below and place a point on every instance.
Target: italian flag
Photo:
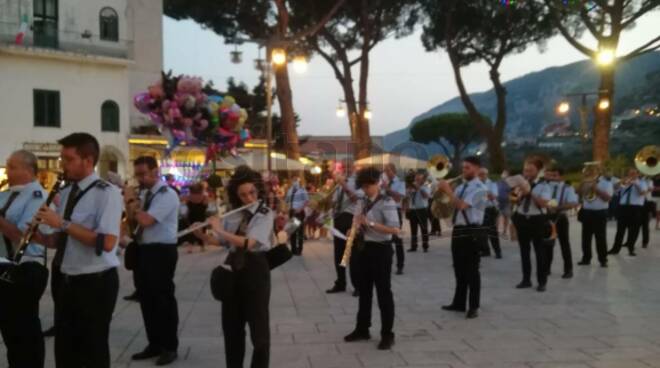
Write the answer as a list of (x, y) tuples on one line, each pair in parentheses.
[(22, 29)]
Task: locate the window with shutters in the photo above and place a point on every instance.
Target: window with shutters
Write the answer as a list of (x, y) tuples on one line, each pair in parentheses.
[(110, 116), (46, 108), (109, 23)]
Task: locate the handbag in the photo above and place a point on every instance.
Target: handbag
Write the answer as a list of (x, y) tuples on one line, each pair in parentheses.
[(222, 281), (130, 256), (278, 255), (580, 215)]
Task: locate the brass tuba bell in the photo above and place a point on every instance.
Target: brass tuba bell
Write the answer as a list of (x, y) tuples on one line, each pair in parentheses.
[(646, 161), (590, 174), (438, 166)]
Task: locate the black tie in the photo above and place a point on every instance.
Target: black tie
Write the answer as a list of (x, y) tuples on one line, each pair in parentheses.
[(528, 199), (3, 212), (554, 192), (71, 201), (145, 207), (63, 237), (460, 196), (629, 190), (339, 201)]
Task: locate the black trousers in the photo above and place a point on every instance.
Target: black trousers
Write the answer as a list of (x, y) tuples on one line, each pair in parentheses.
[(594, 225), (466, 244), (435, 222), (85, 306), (375, 269), (647, 214), (19, 315), (155, 279), (492, 236), (248, 305), (398, 245), (530, 232), (298, 236), (629, 219), (419, 219), (564, 243), (342, 223)]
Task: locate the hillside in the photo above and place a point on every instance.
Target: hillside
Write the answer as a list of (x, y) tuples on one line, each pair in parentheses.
[(531, 99)]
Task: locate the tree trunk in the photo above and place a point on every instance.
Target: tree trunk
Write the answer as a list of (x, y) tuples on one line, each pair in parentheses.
[(603, 123), (288, 119), (363, 148), (494, 140)]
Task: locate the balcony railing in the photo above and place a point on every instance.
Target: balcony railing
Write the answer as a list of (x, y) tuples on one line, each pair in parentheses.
[(84, 42)]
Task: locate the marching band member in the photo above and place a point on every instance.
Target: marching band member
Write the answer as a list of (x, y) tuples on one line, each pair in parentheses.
[(19, 309), (395, 188), (344, 198), (418, 198), (248, 234), (629, 219), (566, 199), (157, 219), (530, 220), (491, 215), (593, 216), (377, 222), (87, 221), (297, 198), (467, 238)]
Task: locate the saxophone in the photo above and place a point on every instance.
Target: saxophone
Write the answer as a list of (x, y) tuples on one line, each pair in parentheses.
[(350, 240)]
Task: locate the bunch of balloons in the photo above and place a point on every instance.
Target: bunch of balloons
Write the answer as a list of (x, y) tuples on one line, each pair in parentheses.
[(184, 113)]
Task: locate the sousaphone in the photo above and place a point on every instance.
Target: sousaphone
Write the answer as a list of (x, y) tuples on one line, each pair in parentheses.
[(646, 161)]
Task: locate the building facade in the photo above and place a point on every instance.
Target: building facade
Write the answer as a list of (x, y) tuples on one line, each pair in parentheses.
[(73, 66)]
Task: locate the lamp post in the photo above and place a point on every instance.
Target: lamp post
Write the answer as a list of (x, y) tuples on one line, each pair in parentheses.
[(275, 56), (353, 116), (564, 107)]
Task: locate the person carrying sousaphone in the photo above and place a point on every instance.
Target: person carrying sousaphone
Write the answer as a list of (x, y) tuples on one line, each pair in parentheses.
[(248, 235)]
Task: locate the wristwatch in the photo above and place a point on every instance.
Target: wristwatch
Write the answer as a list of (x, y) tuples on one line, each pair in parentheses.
[(371, 224), (65, 225)]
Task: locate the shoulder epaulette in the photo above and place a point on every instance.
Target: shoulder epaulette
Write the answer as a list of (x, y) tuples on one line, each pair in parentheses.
[(163, 189), (102, 184), (264, 210), (37, 194)]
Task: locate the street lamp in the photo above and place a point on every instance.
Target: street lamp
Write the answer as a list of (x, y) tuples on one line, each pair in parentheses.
[(278, 56), (605, 57), (367, 114), (604, 104), (563, 108), (341, 111), (300, 64)]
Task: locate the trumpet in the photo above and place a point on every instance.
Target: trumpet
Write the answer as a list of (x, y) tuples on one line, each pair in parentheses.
[(28, 235)]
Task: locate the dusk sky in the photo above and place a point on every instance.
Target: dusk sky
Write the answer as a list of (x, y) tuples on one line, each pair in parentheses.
[(405, 80)]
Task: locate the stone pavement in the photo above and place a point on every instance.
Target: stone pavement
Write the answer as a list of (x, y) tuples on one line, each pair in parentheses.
[(601, 318)]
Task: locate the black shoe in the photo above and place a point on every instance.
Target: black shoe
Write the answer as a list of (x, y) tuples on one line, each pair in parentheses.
[(645, 245), (356, 293), (132, 297), (498, 256), (567, 275), (524, 285), (147, 353), (166, 358), (386, 342), (412, 250), (426, 250), (613, 252), (49, 332), (603, 265), (453, 308), (540, 288), (336, 289), (632, 254), (399, 271), (472, 314), (357, 336), (584, 263)]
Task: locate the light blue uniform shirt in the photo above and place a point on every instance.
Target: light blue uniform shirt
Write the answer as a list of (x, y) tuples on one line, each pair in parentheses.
[(631, 195), (599, 204), (563, 193), (260, 227), (382, 212), (21, 212), (164, 209), (541, 190), (491, 186), (99, 210), (346, 204), (476, 196), (300, 197), (417, 200), (395, 185)]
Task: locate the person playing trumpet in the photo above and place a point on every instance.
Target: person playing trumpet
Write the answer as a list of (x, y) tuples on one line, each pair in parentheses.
[(593, 215), (529, 220), (629, 216), (564, 198), (467, 237)]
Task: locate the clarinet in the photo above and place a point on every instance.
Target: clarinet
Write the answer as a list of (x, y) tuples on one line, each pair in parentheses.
[(26, 239)]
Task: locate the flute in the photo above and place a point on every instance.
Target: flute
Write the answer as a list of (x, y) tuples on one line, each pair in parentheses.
[(206, 223)]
